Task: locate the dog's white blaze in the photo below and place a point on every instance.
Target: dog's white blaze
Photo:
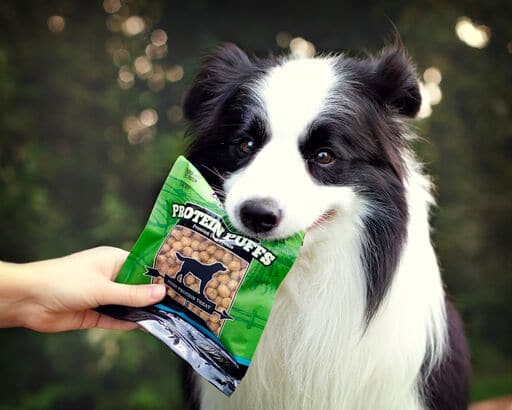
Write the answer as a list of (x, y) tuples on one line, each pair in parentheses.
[(292, 95), (315, 352)]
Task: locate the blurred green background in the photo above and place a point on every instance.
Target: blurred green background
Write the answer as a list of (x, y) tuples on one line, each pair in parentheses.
[(90, 123)]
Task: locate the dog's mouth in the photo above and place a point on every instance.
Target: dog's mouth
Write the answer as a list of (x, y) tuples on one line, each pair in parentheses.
[(272, 235), (322, 219)]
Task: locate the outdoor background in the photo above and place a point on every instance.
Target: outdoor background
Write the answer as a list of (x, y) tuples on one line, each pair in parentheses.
[(90, 123)]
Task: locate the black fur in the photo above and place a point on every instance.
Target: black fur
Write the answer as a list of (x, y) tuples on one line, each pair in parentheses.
[(447, 387), (219, 76), (389, 79), (221, 111), (395, 81), (368, 141)]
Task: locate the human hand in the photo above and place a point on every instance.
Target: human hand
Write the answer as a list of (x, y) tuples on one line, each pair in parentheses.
[(58, 294)]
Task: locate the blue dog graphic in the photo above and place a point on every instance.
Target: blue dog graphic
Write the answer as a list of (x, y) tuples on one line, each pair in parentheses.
[(203, 272)]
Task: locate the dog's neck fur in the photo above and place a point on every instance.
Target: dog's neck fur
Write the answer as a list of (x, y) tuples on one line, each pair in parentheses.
[(318, 352)]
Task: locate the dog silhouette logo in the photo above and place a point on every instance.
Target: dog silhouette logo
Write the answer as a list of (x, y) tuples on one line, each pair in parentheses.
[(201, 271)]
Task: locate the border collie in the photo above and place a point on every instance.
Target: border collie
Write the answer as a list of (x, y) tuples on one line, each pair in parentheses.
[(321, 144)]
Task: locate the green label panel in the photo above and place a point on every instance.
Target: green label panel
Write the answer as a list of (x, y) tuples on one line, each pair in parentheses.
[(226, 281)]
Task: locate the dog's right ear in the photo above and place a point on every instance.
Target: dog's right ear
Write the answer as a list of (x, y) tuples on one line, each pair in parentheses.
[(219, 76), (394, 80)]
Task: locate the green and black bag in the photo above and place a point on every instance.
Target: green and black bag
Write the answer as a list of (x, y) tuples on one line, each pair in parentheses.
[(220, 284)]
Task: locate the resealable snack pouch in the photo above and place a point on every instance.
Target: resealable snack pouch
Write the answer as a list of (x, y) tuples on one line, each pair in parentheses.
[(220, 284)]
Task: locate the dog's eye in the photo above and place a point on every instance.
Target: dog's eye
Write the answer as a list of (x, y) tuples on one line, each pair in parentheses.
[(246, 145), (324, 157)]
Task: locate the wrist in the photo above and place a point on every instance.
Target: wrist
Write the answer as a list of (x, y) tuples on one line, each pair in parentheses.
[(16, 292)]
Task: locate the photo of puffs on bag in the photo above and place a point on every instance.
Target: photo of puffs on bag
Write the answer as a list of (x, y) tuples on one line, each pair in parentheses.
[(220, 284)]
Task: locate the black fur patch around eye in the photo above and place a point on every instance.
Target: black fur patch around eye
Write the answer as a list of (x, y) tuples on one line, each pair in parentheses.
[(216, 151), (367, 143), (221, 108)]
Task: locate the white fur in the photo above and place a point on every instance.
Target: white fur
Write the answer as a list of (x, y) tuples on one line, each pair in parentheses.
[(315, 352), (292, 95)]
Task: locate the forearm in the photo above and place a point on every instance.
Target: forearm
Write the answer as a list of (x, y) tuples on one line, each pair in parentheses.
[(16, 285), (60, 294)]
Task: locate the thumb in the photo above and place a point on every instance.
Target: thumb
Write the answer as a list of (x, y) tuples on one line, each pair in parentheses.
[(132, 295)]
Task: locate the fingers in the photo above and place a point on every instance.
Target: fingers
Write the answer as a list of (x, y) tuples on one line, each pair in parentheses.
[(109, 260), (131, 295), (107, 322), (92, 319), (119, 256)]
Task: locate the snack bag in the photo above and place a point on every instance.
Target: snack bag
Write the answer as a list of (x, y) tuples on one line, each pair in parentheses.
[(220, 284)]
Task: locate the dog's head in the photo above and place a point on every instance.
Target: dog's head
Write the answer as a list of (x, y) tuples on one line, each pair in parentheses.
[(217, 267), (291, 143)]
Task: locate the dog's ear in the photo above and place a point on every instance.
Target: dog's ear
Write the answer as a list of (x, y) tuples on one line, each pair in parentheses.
[(219, 76), (394, 81)]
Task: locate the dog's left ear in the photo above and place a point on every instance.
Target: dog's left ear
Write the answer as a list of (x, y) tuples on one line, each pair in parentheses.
[(219, 76), (394, 81)]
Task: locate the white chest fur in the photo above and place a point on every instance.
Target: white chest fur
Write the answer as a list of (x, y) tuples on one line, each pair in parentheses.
[(316, 353)]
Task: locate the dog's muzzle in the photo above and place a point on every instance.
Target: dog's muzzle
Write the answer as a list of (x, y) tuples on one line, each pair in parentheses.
[(260, 215)]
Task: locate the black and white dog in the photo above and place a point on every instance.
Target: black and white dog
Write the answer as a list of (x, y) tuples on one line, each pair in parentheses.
[(321, 144)]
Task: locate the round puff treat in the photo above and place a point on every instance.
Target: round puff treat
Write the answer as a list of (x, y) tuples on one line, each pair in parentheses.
[(221, 289)]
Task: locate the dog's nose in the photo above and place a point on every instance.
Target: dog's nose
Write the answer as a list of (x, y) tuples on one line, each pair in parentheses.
[(260, 215)]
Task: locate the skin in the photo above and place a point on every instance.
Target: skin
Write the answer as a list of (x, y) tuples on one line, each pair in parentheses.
[(58, 294)]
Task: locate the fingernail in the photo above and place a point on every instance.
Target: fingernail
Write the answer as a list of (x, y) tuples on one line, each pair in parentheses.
[(157, 292)]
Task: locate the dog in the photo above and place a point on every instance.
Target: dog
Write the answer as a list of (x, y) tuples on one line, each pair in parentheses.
[(202, 272), (322, 145)]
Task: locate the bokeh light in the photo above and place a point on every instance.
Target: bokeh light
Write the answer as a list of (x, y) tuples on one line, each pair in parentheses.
[(142, 66), (126, 79), (432, 75), (473, 35), (430, 91), (156, 81), (434, 93), (159, 37), (174, 73), (175, 114), (131, 123), (56, 24), (156, 52), (137, 132), (301, 48), (148, 117), (425, 109), (283, 39), (111, 6), (133, 25)]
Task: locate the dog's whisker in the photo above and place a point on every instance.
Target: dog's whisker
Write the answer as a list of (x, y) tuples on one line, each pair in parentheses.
[(215, 172)]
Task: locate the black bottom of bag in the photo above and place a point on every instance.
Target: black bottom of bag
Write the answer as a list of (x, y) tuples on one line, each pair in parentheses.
[(206, 356)]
